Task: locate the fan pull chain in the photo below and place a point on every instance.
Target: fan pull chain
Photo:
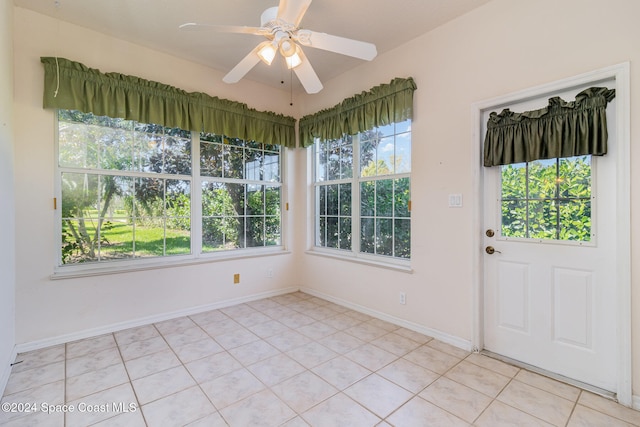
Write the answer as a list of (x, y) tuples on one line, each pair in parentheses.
[(291, 86)]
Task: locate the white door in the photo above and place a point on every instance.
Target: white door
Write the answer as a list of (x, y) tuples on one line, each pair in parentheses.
[(550, 286)]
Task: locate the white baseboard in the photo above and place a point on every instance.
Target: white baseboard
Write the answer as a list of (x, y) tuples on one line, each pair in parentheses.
[(89, 333), (635, 403), (439, 335), (6, 371)]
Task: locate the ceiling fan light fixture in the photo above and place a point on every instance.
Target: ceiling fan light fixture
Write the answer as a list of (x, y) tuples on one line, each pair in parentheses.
[(267, 52), (293, 61)]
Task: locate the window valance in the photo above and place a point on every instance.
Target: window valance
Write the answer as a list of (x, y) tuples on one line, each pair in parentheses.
[(72, 85), (562, 129), (383, 104)]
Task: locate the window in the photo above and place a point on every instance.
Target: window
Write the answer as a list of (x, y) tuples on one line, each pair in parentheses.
[(240, 193), (547, 199), (362, 192), (127, 191)]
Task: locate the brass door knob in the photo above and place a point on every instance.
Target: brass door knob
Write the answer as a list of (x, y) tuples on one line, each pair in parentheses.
[(490, 233), (491, 250)]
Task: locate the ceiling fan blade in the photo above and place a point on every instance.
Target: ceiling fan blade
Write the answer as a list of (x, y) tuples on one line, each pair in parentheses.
[(292, 11), (243, 67), (192, 26), (307, 75), (349, 47)]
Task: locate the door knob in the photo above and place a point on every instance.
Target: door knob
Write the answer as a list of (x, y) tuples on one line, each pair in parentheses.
[(491, 250), (490, 233)]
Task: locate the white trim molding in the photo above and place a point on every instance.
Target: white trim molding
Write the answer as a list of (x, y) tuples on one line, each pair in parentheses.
[(439, 335), (94, 332), (619, 73)]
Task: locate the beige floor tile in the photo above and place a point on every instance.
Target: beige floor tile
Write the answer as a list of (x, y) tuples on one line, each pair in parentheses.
[(276, 369), (197, 350), (142, 348), (544, 405), (122, 394), (162, 384), (253, 352), (36, 419), (478, 378), (178, 409), (448, 348), (180, 338), (312, 354), (268, 329), (456, 398), (296, 422), (366, 331), (408, 375), (93, 361), (260, 409), (129, 336), (418, 413), (317, 330), (207, 317), (342, 321), (304, 391), (38, 358), (341, 342), (236, 338), (432, 359), (251, 319), (413, 335), (95, 381), (296, 320), (221, 327), (340, 411), (341, 372), (609, 407), (35, 377), (371, 357), (494, 365), (587, 417), (288, 340), (378, 395), (211, 367), (151, 363), (548, 384), (396, 344), (52, 393), (500, 415), (128, 419), (213, 420), (90, 345), (232, 387), (238, 310), (174, 326)]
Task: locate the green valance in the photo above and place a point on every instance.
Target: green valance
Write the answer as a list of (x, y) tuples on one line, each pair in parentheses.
[(562, 129), (72, 85), (383, 104)]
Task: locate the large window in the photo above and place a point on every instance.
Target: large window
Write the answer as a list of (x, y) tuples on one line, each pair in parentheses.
[(130, 190), (362, 192)]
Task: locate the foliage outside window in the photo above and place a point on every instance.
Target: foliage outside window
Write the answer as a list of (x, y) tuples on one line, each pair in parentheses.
[(127, 191), (362, 192), (547, 199)]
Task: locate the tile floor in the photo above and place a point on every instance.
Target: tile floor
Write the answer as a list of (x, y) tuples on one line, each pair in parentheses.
[(292, 360)]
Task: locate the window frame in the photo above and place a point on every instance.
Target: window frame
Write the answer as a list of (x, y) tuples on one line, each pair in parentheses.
[(354, 254), (196, 255)]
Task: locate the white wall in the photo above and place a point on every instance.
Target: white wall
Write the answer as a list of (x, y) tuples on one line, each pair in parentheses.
[(48, 309), (7, 218), (502, 47)]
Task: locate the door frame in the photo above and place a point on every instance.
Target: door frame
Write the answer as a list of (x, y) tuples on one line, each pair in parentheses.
[(621, 75)]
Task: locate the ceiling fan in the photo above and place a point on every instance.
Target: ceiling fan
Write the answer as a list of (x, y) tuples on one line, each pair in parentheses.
[(280, 26)]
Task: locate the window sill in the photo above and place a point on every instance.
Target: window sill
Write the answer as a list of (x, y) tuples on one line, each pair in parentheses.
[(401, 266), (70, 272)]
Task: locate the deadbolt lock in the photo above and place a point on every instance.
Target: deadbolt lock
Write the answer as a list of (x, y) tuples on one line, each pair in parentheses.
[(490, 233)]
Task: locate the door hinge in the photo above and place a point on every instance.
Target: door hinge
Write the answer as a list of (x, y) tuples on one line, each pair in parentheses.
[(409, 205), (55, 203)]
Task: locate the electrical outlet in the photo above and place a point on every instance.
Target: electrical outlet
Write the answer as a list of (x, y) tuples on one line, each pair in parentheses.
[(403, 298), (236, 278)]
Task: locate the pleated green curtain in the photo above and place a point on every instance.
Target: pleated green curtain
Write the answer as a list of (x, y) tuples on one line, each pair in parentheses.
[(71, 85), (562, 129), (383, 104)]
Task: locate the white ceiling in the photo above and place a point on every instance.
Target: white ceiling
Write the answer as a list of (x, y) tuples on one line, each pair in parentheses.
[(154, 23)]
